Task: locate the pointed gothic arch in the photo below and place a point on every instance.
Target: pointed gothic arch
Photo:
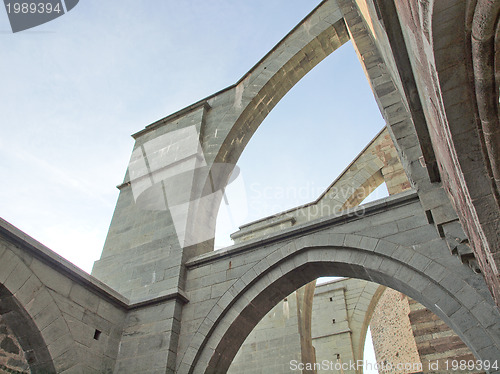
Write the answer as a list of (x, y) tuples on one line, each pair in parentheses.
[(405, 269)]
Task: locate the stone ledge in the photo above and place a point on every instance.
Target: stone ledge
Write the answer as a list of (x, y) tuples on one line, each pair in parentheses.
[(61, 265), (331, 285), (172, 117), (372, 208), (175, 295), (345, 331), (250, 228)]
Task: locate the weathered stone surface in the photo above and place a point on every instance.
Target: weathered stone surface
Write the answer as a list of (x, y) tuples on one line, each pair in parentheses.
[(175, 306), (391, 330), (12, 356)]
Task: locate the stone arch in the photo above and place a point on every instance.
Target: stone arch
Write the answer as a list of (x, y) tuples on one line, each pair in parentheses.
[(29, 308), (235, 113), (419, 277), (27, 333), (377, 163), (256, 94), (355, 297)]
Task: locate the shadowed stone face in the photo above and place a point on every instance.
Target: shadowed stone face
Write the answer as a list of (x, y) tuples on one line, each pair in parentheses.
[(11, 354), (8, 346)]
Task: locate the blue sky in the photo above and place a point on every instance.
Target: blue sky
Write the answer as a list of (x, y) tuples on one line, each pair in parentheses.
[(75, 89)]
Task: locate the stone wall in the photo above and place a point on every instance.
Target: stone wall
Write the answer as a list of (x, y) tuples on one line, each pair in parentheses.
[(436, 342), (331, 329), (273, 343), (405, 331), (392, 333), (12, 358), (64, 319), (450, 76)]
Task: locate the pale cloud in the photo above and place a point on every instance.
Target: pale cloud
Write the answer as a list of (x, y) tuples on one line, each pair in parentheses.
[(79, 245), (56, 175)]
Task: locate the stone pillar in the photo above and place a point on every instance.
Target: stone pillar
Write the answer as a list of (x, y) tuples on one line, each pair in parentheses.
[(274, 344), (331, 329), (161, 199), (165, 214), (392, 333)]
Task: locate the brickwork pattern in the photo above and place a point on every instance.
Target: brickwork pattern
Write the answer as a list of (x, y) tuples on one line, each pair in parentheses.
[(436, 342)]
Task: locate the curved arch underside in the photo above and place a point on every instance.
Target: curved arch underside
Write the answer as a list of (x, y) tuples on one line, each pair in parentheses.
[(423, 271), (310, 264), (376, 164), (26, 332)]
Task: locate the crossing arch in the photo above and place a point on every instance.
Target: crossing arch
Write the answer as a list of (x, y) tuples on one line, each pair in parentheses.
[(402, 268)]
